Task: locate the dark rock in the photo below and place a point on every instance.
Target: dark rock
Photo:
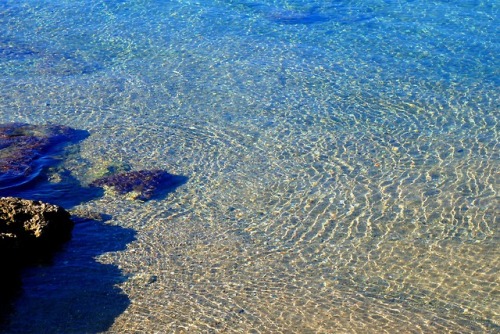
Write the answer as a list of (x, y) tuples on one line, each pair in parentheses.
[(63, 293), (32, 225), (144, 183), (29, 233), (25, 150)]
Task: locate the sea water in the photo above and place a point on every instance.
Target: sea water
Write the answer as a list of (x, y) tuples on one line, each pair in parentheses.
[(342, 162)]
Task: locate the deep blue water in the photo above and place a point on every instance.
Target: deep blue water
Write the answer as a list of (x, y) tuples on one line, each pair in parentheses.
[(342, 161)]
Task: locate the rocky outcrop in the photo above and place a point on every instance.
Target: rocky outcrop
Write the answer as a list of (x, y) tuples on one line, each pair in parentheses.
[(142, 184), (29, 233), (31, 226)]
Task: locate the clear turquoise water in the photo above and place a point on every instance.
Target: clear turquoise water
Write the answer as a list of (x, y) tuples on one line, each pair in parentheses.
[(343, 163)]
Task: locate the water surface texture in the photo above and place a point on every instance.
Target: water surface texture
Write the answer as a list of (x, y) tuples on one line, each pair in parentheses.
[(342, 160)]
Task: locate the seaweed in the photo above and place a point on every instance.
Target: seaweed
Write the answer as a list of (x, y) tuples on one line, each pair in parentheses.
[(145, 184)]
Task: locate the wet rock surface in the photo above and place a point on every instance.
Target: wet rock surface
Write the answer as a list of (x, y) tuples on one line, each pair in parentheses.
[(27, 225)]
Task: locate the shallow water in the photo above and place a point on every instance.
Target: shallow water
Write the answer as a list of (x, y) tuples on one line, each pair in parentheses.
[(342, 161)]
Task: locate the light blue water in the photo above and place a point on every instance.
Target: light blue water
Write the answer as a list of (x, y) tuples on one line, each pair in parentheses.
[(342, 162)]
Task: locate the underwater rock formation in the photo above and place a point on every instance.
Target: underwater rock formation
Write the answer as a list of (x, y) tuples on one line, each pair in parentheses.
[(339, 11), (47, 60), (283, 16), (25, 150), (144, 184)]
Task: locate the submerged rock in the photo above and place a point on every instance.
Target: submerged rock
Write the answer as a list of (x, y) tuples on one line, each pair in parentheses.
[(143, 184), (25, 150), (339, 12), (284, 16)]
